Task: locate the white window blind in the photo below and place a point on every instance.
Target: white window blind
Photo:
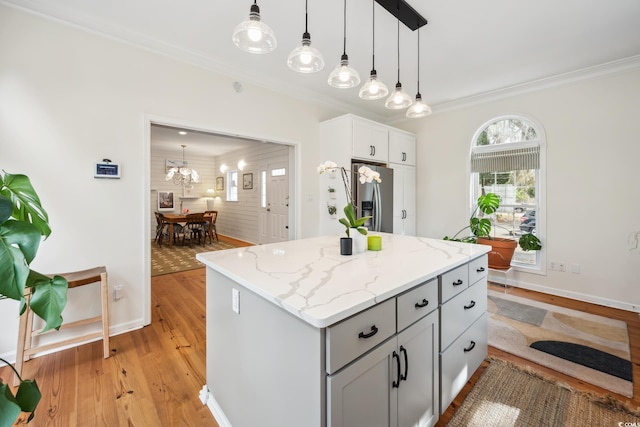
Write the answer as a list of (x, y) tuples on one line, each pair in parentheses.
[(505, 160)]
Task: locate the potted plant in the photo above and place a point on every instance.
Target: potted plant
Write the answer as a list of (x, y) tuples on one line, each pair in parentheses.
[(23, 224), (480, 228), (350, 221)]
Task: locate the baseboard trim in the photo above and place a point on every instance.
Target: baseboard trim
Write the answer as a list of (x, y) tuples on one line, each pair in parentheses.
[(217, 412), (113, 331), (501, 279)]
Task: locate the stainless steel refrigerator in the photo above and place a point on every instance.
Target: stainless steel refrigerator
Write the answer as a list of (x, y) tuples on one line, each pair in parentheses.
[(374, 199)]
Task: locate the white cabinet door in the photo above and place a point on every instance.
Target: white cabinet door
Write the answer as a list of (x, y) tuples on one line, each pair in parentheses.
[(419, 386), (404, 199), (362, 394), (370, 141), (402, 148)]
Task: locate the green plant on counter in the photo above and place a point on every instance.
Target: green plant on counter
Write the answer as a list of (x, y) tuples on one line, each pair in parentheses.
[(23, 224), (365, 174), (479, 226)]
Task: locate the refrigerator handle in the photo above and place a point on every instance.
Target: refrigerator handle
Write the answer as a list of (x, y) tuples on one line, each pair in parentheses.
[(377, 209)]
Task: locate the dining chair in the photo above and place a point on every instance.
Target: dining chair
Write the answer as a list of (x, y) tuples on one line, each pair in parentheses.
[(211, 231), (160, 228), (194, 228)]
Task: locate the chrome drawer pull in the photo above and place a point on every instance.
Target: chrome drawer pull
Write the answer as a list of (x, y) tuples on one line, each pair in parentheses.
[(480, 270), (374, 331), (422, 304), (471, 305), (471, 346), (457, 282)]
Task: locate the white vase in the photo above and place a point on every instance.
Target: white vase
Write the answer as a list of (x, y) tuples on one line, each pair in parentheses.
[(359, 241)]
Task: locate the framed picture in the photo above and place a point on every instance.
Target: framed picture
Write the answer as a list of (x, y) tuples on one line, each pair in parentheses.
[(187, 191), (175, 164), (247, 181), (165, 201), (219, 183)]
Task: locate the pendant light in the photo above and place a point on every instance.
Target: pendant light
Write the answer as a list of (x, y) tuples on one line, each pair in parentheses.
[(253, 35), (399, 99), (343, 76), (305, 58), (418, 109), (373, 89)]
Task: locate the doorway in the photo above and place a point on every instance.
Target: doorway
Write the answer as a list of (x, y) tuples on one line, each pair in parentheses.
[(288, 191), (274, 216)]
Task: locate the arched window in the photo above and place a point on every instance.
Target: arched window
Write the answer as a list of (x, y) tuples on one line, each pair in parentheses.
[(507, 158)]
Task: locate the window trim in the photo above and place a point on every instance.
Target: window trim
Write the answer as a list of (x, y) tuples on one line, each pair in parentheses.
[(541, 217)]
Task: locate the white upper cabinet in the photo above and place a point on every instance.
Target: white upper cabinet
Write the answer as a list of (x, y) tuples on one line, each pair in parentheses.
[(402, 148), (370, 141)]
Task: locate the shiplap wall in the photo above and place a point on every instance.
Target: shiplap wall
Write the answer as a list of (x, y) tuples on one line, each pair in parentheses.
[(240, 219), (235, 219)]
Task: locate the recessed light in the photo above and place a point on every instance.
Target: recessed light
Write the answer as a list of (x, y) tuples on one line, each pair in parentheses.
[(182, 132)]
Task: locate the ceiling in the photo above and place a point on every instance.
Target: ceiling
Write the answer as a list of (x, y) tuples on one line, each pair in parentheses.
[(166, 138), (468, 48)]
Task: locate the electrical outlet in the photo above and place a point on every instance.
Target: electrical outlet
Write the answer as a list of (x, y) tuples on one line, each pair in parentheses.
[(235, 300), (575, 268), (553, 265), (562, 266), (117, 292)]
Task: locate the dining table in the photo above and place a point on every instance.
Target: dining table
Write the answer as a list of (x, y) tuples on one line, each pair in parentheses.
[(171, 219)]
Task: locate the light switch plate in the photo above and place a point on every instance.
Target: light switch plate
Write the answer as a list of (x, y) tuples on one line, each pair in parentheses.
[(235, 300)]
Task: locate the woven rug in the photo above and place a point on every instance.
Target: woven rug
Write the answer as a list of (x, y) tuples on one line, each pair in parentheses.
[(171, 259), (508, 396), (592, 348)]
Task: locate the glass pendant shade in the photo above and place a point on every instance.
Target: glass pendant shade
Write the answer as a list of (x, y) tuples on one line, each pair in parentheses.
[(399, 99), (253, 35), (343, 76), (418, 109), (305, 58), (373, 88)]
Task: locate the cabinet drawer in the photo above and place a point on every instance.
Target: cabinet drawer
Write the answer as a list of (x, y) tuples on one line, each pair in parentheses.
[(453, 282), (478, 269), (358, 334), (460, 361), (417, 303), (461, 311)]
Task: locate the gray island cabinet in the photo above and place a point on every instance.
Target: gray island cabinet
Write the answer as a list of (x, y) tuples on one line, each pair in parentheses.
[(298, 335)]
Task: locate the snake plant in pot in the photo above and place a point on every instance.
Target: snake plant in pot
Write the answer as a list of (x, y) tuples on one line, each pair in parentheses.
[(23, 224), (480, 229)]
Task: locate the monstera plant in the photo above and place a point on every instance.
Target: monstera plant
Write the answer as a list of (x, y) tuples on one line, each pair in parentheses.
[(23, 225)]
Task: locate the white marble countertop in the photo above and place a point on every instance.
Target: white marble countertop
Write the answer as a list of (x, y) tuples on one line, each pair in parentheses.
[(310, 279)]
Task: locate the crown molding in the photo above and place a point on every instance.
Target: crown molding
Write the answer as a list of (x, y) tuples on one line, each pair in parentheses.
[(65, 16)]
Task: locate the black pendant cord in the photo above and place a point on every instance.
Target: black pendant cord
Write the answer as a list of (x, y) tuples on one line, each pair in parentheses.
[(418, 61), (306, 18), (373, 36), (398, 51), (344, 20)]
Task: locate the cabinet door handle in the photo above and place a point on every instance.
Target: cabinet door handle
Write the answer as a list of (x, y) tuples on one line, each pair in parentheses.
[(471, 305), (371, 150), (422, 304), (374, 331), (471, 346), (406, 363), (396, 383), (480, 270), (457, 282), (374, 150), (404, 156)]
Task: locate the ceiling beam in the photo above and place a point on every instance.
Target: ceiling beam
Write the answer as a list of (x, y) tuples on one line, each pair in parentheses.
[(404, 12)]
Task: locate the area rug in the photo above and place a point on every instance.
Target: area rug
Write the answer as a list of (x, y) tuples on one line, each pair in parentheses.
[(508, 396), (171, 259), (592, 348)]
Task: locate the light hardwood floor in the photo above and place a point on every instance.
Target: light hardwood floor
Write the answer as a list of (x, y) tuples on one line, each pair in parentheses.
[(154, 374)]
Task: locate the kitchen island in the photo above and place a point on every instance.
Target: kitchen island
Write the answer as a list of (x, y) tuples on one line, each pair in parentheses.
[(298, 335)]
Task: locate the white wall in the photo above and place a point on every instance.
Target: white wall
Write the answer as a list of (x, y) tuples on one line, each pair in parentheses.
[(593, 183), (69, 98)]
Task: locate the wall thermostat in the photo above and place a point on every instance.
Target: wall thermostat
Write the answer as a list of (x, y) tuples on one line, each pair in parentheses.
[(107, 169)]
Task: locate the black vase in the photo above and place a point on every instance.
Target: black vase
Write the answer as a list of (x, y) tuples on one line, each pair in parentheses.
[(346, 246)]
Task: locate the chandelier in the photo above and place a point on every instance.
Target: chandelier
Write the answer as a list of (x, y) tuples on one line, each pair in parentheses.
[(182, 175)]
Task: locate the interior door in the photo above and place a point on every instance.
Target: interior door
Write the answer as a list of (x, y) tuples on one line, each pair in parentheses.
[(274, 224)]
